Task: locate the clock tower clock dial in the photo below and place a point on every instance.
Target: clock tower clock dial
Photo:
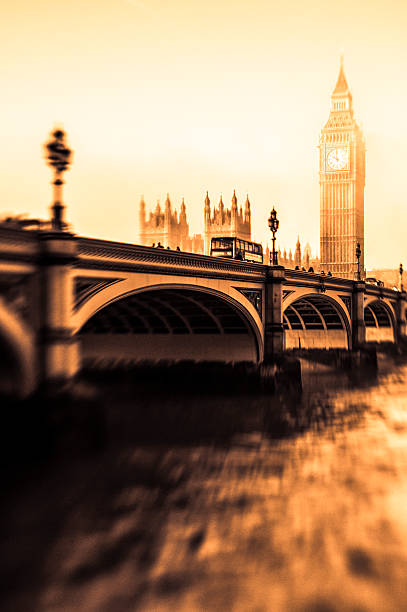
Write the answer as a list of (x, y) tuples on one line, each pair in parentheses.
[(337, 159), (342, 183)]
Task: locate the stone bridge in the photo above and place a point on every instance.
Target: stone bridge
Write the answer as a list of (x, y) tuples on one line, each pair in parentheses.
[(66, 301)]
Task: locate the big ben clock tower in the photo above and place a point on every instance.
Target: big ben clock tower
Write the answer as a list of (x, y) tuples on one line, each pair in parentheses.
[(342, 183)]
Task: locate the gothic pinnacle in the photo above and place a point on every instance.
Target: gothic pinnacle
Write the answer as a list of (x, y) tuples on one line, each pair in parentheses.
[(341, 84)]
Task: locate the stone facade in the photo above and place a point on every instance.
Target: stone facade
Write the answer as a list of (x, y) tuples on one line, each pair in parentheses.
[(234, 223), (303, 259), (167, 229)]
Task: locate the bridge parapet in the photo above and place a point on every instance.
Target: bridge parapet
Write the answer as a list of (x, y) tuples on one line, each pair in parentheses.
[(104, 254), (319, 282), (19, 250), (381, 292)]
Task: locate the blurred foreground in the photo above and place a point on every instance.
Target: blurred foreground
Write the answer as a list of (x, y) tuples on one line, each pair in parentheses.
[(143, 499)]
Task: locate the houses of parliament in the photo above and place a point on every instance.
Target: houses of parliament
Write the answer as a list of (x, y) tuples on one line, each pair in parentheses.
[(170, 230), (342, 182)]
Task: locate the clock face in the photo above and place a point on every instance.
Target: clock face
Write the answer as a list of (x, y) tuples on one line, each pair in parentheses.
[(337, 159)]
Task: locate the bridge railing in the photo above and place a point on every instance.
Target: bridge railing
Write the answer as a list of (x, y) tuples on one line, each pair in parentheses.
[(93, 251), (318, 281)]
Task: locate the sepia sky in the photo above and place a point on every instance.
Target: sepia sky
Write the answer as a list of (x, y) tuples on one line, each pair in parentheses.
[(183, 96)]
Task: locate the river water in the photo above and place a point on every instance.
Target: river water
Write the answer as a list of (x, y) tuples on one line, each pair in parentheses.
[(304, 510)]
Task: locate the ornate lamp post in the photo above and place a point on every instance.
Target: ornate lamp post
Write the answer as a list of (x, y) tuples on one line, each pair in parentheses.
[(401, 277), (358, 253), (273, 225), (58, 156)]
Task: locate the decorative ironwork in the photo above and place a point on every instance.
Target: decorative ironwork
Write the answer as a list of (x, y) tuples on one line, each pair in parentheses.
[(14, 293), (87, 287), (273, 225), (254, 296), (286, 293), (346, 299)]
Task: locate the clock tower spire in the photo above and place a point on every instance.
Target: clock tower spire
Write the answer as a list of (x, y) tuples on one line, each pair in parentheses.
[(342, 183)]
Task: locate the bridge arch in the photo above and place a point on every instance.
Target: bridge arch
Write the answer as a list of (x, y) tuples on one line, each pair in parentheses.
[(112, 288), (315, 320), (380, 321), (172, 322), (17, 370)]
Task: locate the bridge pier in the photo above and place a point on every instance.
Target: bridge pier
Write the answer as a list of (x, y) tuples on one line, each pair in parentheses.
[(401, 308), (273, 324), (58, 346), (358, 315)]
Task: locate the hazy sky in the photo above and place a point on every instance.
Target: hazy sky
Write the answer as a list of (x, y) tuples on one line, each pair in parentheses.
[(185, 96)]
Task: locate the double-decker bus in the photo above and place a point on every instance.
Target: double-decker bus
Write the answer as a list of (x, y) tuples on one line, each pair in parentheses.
[(235, 248)]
